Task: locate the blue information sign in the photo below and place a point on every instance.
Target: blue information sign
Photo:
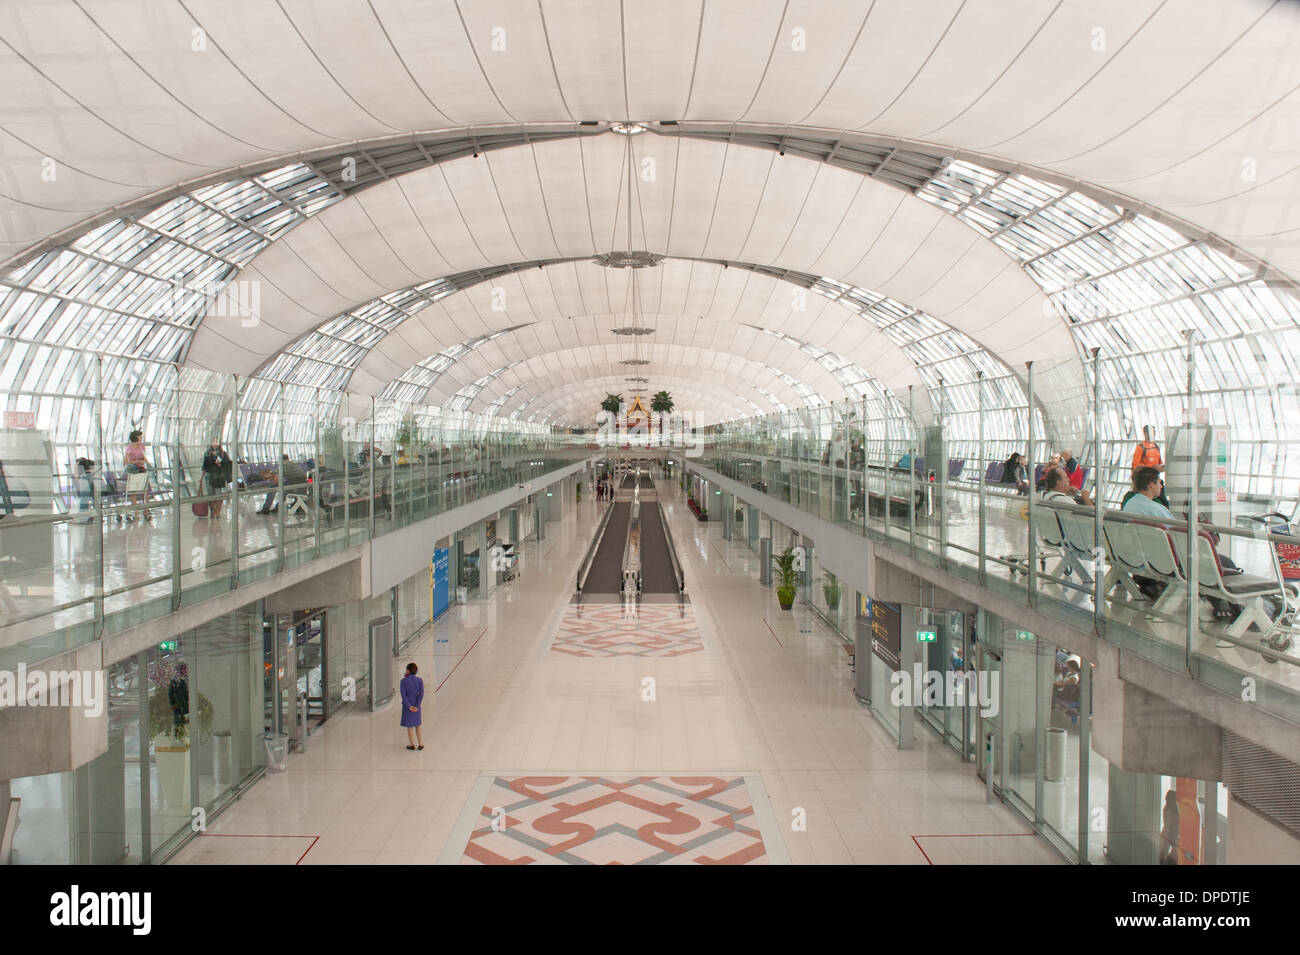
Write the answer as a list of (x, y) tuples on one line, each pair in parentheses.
[(441, 581)]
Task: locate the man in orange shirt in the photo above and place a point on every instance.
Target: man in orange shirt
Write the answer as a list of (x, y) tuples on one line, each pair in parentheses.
[(1147, 454)]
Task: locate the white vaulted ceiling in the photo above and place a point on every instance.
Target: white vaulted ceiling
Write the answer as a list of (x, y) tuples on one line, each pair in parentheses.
[(384, 173), (568, 199), (1184, 105)]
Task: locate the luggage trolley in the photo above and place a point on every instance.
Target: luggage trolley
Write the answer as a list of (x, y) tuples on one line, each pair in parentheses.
[(1286, 626)]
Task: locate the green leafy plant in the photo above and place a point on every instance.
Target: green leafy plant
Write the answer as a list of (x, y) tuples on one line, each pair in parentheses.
[(831, 591), (787, 577), (661, 403), (162, 722), (612, 403)]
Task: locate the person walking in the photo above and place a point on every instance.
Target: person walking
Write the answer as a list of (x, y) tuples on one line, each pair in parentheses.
[(137, 463), (412, 688), (218, 470), (1169, 830), (85, 487)]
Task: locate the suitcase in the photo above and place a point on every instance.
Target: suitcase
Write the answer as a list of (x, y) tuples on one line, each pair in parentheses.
[(200, 508)]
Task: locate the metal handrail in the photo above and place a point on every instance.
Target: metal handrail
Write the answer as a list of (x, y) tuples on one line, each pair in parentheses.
[(632, 559), (679, 574), (585, 567)]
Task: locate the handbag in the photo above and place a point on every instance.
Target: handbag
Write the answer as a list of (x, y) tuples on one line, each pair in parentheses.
[(200, 508)]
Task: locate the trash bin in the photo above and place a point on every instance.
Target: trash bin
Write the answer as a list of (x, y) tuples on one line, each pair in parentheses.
[(462, 595), (223, 759), (1055, 768), (277, 751)]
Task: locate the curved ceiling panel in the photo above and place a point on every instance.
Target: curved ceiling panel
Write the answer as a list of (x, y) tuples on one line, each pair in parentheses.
[(806, 383), (1168, 103), (696, 392), (687, 303), (568, 198)]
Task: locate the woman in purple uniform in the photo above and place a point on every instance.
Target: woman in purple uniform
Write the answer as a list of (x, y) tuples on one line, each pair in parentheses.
[(412, 697)]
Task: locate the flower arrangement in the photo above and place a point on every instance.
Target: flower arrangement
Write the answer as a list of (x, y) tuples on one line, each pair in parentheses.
[(169, 710)]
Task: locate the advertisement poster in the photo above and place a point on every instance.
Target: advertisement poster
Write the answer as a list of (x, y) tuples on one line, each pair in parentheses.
[(441, 581)]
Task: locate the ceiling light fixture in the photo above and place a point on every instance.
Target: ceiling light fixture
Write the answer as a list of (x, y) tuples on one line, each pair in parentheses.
[(628, 129), (628, 260)]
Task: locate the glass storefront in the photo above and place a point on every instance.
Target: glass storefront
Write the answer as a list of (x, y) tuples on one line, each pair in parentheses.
[(184, 732)]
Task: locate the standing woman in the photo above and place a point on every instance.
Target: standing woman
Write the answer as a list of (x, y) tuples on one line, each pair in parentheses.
[(137, 464), (412, 688)]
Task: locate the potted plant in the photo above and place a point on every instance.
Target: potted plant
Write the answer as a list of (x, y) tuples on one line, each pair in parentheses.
[(169, 728), (831, 591), (787, 577), (662, 405)]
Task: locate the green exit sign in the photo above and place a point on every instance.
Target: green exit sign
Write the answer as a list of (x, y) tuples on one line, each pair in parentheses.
[(1024, 635), (926, 636), (167, 646)]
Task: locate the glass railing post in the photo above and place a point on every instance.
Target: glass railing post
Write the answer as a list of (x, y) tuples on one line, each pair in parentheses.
[(316, 459), (178, 478), (911, 474), (1193, 509), (282, 505), (889, 478), (100, 469), (370, 467), (941, 468), (425, 508), (1099, 563), (1031, 545), (981, 468), (349, 438), (236, 455)]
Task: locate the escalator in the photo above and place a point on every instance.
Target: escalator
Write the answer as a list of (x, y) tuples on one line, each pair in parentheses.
[(605, 575), (632, 552), (659, 571)]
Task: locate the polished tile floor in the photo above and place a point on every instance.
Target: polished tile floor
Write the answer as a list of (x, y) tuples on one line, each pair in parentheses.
[(768, 699)]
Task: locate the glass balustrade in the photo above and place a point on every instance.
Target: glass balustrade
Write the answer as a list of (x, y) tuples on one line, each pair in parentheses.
[(1221, 602), (99, 533)]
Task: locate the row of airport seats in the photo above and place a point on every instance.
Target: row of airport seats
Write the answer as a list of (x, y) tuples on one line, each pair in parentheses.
[(1156, 553)]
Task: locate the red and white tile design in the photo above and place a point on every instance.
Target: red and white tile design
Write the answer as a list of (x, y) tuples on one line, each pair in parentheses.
[(594, 820), (608, 630)]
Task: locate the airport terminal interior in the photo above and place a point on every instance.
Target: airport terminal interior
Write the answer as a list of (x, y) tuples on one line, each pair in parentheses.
[(650, 432)]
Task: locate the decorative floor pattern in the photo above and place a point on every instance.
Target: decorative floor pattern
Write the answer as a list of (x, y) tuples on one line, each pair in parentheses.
[(594, 820), (608, 630)]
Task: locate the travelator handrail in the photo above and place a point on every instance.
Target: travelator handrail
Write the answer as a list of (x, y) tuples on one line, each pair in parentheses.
[(585, 567), (679, 574), (632, 561)]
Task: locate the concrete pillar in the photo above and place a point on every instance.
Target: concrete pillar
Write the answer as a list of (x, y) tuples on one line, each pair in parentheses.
[(1140, 732), (57, 738), (1132, 817)]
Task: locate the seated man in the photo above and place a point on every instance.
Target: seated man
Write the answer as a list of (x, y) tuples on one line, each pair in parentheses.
[(1142, 499), (1147, 487), (1071, 465), (1053, 462), (1058, 489), (293, 476)]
